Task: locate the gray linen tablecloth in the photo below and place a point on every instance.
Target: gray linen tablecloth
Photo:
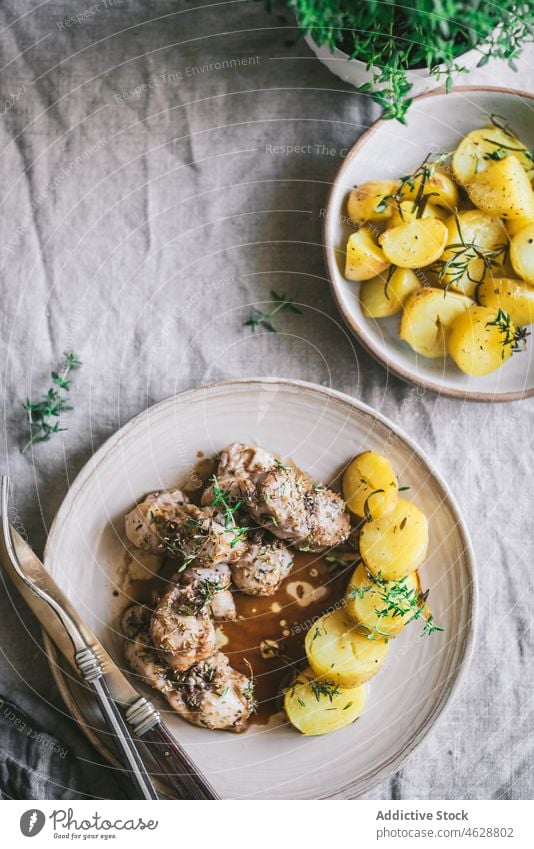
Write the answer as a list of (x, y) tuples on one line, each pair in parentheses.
[(143, 195)]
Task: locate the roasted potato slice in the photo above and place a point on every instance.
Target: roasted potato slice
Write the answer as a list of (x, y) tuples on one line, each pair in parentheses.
[(405, 212), (365, 258), (318, 705), (383, 607), (427, 317), (503, 189), (514, 225), (337, 649), (415, 244), (385, 295), (370, 485), (476, 241), (481, 339), (522, 253), (512, 296), (480, 148), (396, 544), (371, 201), (439, 186)]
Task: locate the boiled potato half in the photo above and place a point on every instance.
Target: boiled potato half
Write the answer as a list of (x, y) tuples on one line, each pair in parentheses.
[(427, 317), (503, 189), (476, 230), (365, 258), (386, 295), (514, 225), (407, 211), (371, 201), (512, 296), (438, 185), (478, 149), (415, 244), (481, 339), (339, 650), (384, 607), (392, 546), (370, 485), (318, 705), (522, 253)]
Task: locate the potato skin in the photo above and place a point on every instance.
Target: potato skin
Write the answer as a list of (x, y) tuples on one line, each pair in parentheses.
[(364, 601), (314, 712), (522, 253), (339, 650), (396, 544), (414, 244), (476, 344), (426, 319), (381, 297), (363, 201), (365, 258), (513, 296), (469, 157), (370, 480), (503, 189), (477, 228)]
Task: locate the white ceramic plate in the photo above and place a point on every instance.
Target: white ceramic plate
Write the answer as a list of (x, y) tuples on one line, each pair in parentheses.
[(436, 122), (320, 430)]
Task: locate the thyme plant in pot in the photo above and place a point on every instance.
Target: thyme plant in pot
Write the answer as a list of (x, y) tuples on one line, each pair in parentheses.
[(394, 51)]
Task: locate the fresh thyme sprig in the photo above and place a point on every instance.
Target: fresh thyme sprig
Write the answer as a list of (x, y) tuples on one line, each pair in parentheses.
[(259, 318), (514, 337), (43, 416), (462, 253), (398, 599), (229, 507)]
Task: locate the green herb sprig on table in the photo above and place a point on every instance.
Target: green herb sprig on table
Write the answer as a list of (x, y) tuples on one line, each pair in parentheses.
[(392, 38), (260, 318), (43, 416)]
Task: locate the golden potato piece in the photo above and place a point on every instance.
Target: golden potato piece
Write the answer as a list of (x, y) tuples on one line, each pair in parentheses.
[(514, 225), (439, 186), (405, 212), (337, 649), (481, 340), (365, 259), (383, 607), (385, 295), (396, 544), (471, 234), (415, 244), (370, 201), (370, 485), (427, 317), (512, 296), (522, 253), (480, 148), (318, 705), (503, 189)]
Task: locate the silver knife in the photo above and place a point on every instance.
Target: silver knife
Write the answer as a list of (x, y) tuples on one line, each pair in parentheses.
[(77, 643)]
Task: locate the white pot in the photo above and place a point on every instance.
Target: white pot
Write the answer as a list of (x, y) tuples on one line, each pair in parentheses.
[(355, 72)]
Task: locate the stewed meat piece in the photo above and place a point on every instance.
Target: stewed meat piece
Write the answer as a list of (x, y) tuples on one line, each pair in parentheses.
[(210, 694), (264, 565), (214, 583), (167, 522), (283, 499), (181, 627)]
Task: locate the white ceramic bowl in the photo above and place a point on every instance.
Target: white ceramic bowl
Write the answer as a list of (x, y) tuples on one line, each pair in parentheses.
[(355, 72), (436, 122), (320, 430)]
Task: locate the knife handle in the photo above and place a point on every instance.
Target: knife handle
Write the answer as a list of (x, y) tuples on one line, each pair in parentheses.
[(177, 768), (123, 739)]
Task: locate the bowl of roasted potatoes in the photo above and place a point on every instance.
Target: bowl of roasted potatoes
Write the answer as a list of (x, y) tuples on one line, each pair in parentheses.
[(429, 242)]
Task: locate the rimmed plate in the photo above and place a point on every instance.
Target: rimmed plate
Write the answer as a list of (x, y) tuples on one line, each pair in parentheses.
[(436, 122), (320, 430)]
